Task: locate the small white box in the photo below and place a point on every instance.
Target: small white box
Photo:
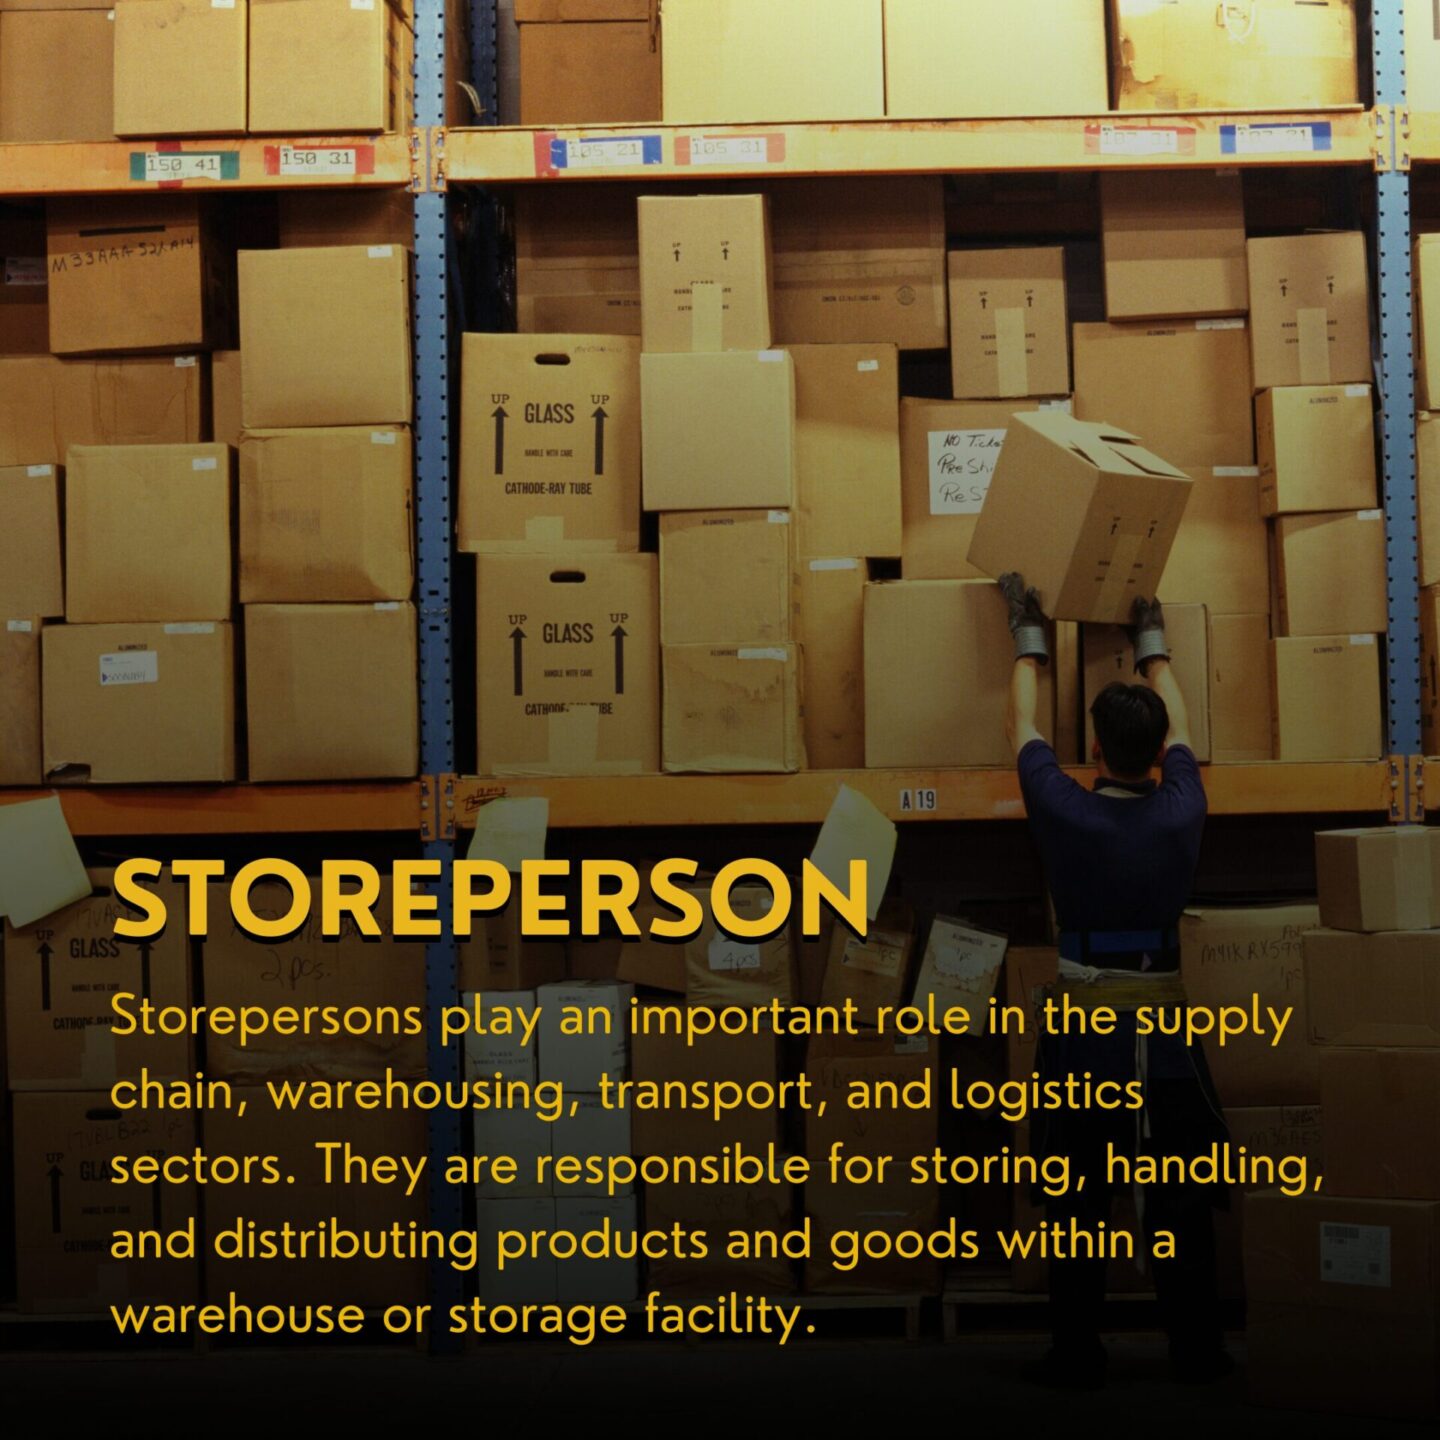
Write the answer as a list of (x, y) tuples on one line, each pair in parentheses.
[(507, 1054), (579, 1061)]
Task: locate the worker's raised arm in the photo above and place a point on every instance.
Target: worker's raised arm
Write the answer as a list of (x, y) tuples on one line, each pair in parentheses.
[(1152, 660), (1032, 650)]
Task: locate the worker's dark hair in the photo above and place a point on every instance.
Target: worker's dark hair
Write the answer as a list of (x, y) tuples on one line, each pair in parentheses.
[(1131, 723)]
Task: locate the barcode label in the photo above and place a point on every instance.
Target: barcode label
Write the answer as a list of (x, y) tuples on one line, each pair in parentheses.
[(1355, 1255)]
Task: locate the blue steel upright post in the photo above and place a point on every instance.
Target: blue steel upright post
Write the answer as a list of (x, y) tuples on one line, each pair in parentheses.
[(1397, 390), (433, 555)]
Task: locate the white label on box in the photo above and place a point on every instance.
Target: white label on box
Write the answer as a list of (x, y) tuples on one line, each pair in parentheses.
[(963, 954), (760, 652), (1355, 1254), (185, 362), (25, 270), (1064, 403), (779, 517), (866, 366), (316, 160), (1357, 392), (770, 357), (727, 954), (961, 464), (834, 564), (20, 627), (37, 469), (130, 667), (1236, 472), (362, 4), (382, 437), (379, 252), (387, 604), (1138, 140), (1236, 324), (222, 4), (205, 462), (169, 165), (880, 953), (1369, 514), (1275, 139), (1362, 639), (190, 627)]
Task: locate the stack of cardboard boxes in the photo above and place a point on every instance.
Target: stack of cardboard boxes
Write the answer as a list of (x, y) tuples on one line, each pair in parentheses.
[(74, 71), (1344, 1313)]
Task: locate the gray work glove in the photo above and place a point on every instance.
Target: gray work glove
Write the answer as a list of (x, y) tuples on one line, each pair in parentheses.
[(1027, 620), (1147, 633)]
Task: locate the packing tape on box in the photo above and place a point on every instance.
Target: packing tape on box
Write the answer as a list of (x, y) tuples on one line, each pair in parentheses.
[(707, 317), (1121, 567), (97, 1058), (1313, 327), (545, 529), (1010, 357)]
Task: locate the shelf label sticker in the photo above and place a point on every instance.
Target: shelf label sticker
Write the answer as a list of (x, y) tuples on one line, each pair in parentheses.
[(320, 160), (730, 149), (914, 802), (175, 167), (561, 155), (1313, 137), (25, 270), (1135, 140)]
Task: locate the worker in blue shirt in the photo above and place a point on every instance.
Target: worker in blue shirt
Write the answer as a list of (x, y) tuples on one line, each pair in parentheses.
[(1120, 861)]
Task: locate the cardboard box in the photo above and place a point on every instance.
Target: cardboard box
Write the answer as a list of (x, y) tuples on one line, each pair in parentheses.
[(1274, 55), (1084, 512), (1327, 698), (1109, 656), (1330, 574), (135, 704), (20, 744), (1343, 1315), (704, 557), (1310, 310), (578, 1061), (325, 336), (306, 969), (24, 280), (498, 957), (872, 970), (599, 65), (508, 1055), (326, 514), (1276, 1132), (590, 1129), (344, 216), (147, 533), (833, 1063), (135, 272), (1225, 953), (891, 1207), (1430, 669), (64, 1146), (948, 450), (27, 411), (525, 1138), (1426, 280), (1316, 446), (568, 666), (1007, 324), (1028, 970), (1378, 879), (1062, 42), (61, 974), (1174, 244), (860, 260), (722, 970), (528, 1281), (1242, 712), (737, 61), (1221, 555), (744, 1060), (959, 970), (936, 683), (180, 67), (1382, 1114), (649, 962), (328, 67), (1373, 990), (550, 444), (608, 1281), (719, 1209), (1183, 388), (314, 713), (721, 241), (1069, 693), (847, 450), (1427, 452), (57, 75), (1422, 55), (292, 1137), (832, 662), (225, 423), (32, 582), (719, 431), (131, 400)]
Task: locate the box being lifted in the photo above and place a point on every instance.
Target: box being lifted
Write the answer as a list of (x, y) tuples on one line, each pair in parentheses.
[(1084, 512)]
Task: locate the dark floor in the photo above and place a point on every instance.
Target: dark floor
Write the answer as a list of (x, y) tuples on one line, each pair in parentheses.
[(974, 1381)]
